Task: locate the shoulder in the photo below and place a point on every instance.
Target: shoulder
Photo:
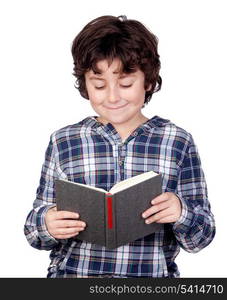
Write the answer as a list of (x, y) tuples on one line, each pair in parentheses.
[(170, 130), (72, 130), (171, 136), (174, 138)]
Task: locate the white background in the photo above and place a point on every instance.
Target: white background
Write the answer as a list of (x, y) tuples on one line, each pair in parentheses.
[(38, 96)]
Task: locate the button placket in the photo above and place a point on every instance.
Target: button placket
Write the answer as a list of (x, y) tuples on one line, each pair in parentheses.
[(121, 157)]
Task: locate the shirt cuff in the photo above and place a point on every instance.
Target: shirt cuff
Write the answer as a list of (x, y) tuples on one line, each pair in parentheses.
[(184, 211), (186, 219), (44, 235)]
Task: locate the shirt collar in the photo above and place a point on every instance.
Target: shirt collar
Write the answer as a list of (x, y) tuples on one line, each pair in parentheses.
[(155, 121), (152, 123)]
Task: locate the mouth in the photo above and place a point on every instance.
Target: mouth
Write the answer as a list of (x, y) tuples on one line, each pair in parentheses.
[(115, 108)]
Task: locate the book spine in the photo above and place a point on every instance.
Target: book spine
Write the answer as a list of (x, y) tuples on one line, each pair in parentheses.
[(109, 199), (110, 222)]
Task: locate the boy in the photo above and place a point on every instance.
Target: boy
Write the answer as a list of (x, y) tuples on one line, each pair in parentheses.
[(117, 65)]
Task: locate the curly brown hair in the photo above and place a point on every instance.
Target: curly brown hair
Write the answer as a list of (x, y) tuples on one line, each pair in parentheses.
[(109, 37)]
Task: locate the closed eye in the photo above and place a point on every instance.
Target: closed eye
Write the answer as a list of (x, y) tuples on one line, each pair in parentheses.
[(126, 86), (122, 85), (99, 87)]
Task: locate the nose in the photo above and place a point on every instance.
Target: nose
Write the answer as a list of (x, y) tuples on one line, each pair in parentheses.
[(113, 95)]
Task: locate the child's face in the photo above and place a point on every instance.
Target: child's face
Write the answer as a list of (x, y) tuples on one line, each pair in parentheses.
[(116, 97)]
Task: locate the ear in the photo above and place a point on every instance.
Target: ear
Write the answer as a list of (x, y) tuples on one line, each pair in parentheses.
[(148, 88)]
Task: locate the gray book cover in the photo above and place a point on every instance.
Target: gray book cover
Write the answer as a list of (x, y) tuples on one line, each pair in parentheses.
[(113, 219)]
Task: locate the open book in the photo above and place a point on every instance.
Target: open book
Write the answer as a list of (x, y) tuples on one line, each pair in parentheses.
[(113, 218)]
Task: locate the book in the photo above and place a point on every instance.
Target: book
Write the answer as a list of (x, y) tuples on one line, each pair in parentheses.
[(113, 218)]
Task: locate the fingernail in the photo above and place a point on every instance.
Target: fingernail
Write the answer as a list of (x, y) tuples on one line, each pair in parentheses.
[(147, 222), (144, 215)]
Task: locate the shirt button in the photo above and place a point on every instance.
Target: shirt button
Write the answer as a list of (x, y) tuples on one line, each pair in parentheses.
[(120, 163), (135, 133)]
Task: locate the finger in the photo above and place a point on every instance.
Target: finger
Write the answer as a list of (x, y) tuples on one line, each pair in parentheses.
[(65, 231), (161, 198), (65, 236), (154, 218), (62, 214), (69, 223), (155, 208), (168, 219)]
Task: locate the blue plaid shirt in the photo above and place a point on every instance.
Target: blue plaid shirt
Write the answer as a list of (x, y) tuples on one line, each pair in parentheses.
[(92, 153)]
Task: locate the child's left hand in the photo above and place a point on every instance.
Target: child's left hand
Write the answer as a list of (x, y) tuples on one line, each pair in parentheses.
[(166, 208)]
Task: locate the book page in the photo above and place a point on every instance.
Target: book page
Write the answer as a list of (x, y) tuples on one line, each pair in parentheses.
[(122, 185), (86, 185)]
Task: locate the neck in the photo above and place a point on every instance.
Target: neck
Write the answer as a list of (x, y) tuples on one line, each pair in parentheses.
[(124, 130)]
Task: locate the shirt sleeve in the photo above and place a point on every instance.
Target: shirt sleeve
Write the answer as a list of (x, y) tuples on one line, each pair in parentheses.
[(35, 228), (196, 227)]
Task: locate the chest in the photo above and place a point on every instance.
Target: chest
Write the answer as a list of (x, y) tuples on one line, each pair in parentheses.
[(102, 163)]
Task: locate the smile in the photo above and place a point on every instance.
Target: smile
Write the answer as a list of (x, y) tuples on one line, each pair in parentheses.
[(114, 108)]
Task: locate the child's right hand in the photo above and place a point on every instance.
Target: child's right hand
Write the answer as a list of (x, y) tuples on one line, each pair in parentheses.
[(63, 224)]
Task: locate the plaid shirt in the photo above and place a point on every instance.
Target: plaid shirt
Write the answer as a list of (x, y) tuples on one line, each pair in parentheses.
[(92, 153)]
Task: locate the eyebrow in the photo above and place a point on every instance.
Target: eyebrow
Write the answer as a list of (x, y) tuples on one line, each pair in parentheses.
[(95, 78), (127, 75), (121, 77)]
